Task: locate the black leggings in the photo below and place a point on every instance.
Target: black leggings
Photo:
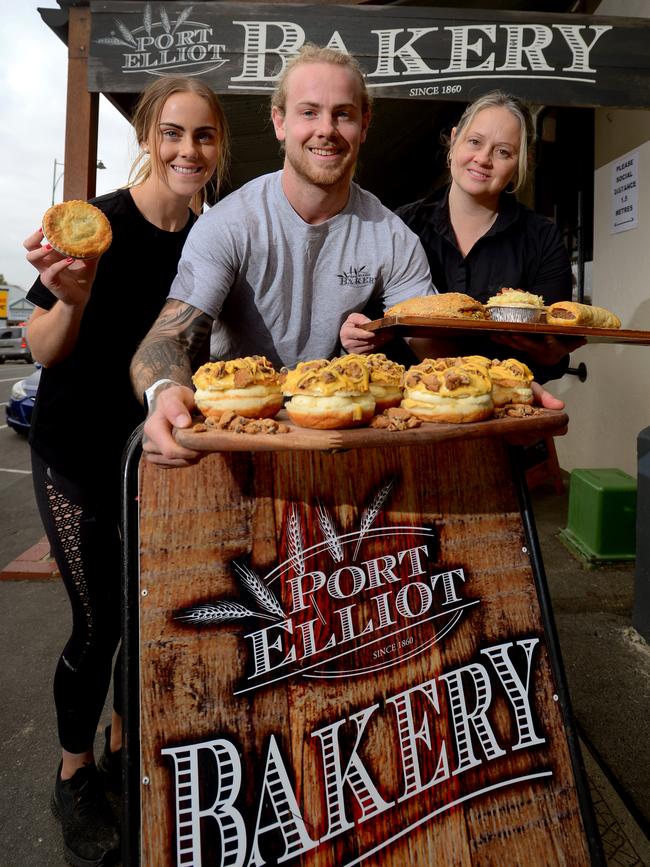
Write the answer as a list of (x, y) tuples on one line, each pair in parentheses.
[(81, 523)]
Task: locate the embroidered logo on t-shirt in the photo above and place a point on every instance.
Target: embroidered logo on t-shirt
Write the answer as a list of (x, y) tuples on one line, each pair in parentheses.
[(356, 277)]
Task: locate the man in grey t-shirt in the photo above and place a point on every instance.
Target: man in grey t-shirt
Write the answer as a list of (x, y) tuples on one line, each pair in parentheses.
[(279, 265), (279, 286)]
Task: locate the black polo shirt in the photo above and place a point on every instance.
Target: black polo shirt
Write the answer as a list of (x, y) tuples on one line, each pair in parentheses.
[(522, 250)]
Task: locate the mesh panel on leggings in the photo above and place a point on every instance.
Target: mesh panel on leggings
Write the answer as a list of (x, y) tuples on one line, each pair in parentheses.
[(67, 519)]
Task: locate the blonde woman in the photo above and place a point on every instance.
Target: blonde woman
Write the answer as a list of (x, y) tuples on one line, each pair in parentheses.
[(478, 238)]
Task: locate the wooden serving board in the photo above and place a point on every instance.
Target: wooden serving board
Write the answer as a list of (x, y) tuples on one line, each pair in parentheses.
[(426, 326), (547, 423)]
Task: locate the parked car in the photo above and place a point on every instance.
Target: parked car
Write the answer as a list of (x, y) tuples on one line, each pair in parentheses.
[(21, 402), (13, 344)]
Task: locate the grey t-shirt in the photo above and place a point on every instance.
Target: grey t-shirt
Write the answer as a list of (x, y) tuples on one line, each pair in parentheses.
[(280, 287)]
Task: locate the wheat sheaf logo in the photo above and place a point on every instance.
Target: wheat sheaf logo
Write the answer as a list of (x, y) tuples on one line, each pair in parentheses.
[(356, 276), (340, 603), (163, 46)]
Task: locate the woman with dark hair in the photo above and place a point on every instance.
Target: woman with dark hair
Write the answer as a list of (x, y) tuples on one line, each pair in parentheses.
[(89, 318)]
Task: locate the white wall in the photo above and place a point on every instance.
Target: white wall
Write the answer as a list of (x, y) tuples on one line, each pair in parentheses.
[(609, 409), (612, 406)]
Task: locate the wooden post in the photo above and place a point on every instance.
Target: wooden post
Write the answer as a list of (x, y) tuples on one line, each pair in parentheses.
[(82, 112)]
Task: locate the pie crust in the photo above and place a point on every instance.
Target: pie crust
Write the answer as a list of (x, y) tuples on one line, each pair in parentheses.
[(447, 305), (77, 229)]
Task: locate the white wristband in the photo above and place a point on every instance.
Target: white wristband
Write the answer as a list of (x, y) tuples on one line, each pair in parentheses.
[(150, 392)]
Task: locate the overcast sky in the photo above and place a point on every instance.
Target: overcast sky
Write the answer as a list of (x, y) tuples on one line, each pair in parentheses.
[(33, 76)]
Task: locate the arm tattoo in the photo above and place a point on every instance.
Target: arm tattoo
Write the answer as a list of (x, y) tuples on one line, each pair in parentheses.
[(168, 349)]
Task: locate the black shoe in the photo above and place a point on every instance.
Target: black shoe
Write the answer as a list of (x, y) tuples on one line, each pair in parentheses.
[(110, 766), (90, 835)]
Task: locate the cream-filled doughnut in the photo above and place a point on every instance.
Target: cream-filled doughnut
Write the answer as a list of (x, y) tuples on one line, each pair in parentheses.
[(385, 377), (511, 382), (457, 394), (329, 395), (248, 386)]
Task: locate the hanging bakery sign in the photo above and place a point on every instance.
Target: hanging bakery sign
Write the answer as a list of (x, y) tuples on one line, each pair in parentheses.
[(410, 52)]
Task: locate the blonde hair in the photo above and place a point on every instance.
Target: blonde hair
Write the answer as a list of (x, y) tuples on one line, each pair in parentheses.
[(145, 121), (311, 53), (499, 99)]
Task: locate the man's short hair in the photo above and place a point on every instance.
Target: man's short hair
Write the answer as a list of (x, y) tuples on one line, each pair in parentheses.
[(311, 53)]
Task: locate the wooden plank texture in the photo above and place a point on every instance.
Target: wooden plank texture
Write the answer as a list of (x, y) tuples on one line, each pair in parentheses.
[(425, 326), (407, 52), (546, 423), (82, 112), (400, 709)]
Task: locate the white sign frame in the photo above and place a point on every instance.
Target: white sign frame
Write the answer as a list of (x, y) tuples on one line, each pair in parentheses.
[(625, 193)]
